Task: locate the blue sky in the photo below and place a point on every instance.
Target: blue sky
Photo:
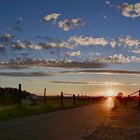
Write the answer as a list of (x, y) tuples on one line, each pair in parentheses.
[(41, 39)]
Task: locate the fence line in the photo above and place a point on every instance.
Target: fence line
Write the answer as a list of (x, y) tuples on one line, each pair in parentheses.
[(75, 99), (44, 96), (19, 96), (132, 94)]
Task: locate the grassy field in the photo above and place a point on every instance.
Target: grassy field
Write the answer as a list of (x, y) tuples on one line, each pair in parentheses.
[(13, 111)]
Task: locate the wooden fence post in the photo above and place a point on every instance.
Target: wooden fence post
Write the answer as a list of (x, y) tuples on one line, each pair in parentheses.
[(44, 96), (78, 98), (82, 98), (19, 96), (62, 99), (139, 99), (73, 99), (85, 98)]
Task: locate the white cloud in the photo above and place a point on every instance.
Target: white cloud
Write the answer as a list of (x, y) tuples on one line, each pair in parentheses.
[(119, 58), (76, 53), (72, 42), (68, 24), (88, 41), (113, 43), (62, 44), (127, 10), (51, 17), (39, 46), (129, 41), (130, 10), (107, 2), (26, 44)]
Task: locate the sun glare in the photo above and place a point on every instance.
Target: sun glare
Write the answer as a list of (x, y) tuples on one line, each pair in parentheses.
[(110, 92)]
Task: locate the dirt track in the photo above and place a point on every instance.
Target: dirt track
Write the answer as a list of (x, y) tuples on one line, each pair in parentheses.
[(93, 122), (121, 124), (72, 124)]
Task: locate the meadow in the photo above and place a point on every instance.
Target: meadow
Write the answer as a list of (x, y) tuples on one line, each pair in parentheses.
[(52, 103)]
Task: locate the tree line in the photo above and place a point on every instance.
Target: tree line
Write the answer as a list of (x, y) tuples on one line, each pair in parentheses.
[(10, 95)]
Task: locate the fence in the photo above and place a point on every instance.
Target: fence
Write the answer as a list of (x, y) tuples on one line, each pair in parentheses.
[(133, 98), (75, 99), (21, 97)]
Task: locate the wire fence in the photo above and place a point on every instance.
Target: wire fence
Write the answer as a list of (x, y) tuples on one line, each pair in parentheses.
[(131, 99)]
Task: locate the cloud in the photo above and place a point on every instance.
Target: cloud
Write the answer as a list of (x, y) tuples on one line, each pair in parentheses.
[(126, 9), (107, 2), (88, 41), (136, 51), (65, 24), (67, 82), (103, 72), (119, 58), (111, 71), (72, 42), (127, 41), (21, 63), (62, 44), (39, 46), (51, 18), (68, 24), (103, 83), (130, 10), (28, 45), (6, 38), (113, 43), (25, 74), (76, 53)]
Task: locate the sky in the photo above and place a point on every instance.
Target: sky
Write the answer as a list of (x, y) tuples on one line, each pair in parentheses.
[(75, 46)]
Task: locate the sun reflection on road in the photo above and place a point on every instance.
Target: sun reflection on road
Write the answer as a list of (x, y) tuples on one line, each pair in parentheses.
[(109, 103)]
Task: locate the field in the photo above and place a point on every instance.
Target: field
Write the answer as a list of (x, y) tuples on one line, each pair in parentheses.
[(52, 104)]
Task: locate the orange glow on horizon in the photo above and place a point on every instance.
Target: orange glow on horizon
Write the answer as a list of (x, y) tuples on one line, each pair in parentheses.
[(110, 92)]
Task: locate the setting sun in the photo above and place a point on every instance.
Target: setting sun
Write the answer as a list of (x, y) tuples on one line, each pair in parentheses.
[(110, 92)]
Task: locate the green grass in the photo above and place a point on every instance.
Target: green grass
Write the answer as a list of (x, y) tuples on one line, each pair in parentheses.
[(10, 112)]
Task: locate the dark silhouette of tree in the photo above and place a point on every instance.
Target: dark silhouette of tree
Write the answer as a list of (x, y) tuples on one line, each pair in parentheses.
[(120, 95), (9, 95)]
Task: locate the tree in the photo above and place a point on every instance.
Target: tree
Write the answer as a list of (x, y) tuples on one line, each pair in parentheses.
[(120, 95)]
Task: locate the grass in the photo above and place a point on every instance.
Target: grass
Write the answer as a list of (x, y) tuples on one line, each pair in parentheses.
[(129, 104), (10, 112)]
